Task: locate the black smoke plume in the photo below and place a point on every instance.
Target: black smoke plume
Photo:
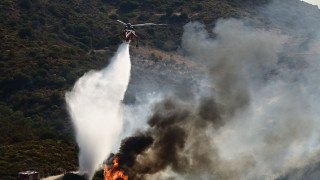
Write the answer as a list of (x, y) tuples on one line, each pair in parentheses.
[(177, 138)]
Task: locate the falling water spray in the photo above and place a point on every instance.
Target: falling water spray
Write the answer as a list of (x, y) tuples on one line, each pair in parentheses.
[(95, 107)]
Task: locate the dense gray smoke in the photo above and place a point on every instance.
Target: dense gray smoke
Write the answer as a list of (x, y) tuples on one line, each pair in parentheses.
[(258, 121), (96, 110), (183, 137)]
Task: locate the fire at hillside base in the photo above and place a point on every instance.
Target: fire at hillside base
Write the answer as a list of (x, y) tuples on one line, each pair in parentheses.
[(114, 172)]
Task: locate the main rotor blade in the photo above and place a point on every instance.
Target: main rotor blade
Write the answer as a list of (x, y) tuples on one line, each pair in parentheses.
[(121, 22), (148, 24)]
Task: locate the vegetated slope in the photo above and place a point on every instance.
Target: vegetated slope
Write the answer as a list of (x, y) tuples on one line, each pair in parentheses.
[(45, 156), (44, 48), (46, 45)]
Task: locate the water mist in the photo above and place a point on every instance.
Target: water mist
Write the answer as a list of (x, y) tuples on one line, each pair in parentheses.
[(95, 107)]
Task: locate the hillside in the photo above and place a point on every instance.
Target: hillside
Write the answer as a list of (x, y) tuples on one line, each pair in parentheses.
[(45, 46)]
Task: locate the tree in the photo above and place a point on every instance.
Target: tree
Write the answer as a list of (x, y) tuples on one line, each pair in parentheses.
[(25, 32), (169, 12), (113, 16), (126, 7), (25, 4)]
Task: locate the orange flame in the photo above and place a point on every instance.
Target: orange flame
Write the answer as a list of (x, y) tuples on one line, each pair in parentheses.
[(114, 173)]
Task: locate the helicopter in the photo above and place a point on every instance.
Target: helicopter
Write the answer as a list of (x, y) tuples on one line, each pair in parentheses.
[(128, 32)]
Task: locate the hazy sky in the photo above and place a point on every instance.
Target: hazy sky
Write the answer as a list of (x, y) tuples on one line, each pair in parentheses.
[(314, 2)]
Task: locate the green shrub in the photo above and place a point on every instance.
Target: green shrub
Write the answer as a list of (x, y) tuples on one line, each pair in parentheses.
[(130, 15), (11, 55), (114, 28), (35, 23), (21, 81), (150, 31), (183, 17), (53, 10), (69, 50), (55, 48), (81, 30), (177, 3), (5, 110), (143, 17), (198, 7), (25, 4), (85, 40), (47, 134), (69, 29), (57, 82), (82, 46), (128, 6), (152, 56), (32, 53), (25, 32), (150, 4), (12, 23), (169, 12), (56, 98), (113, 16), (64, 21)]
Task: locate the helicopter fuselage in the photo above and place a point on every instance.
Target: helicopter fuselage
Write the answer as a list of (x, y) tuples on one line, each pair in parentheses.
[(128, 35)]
